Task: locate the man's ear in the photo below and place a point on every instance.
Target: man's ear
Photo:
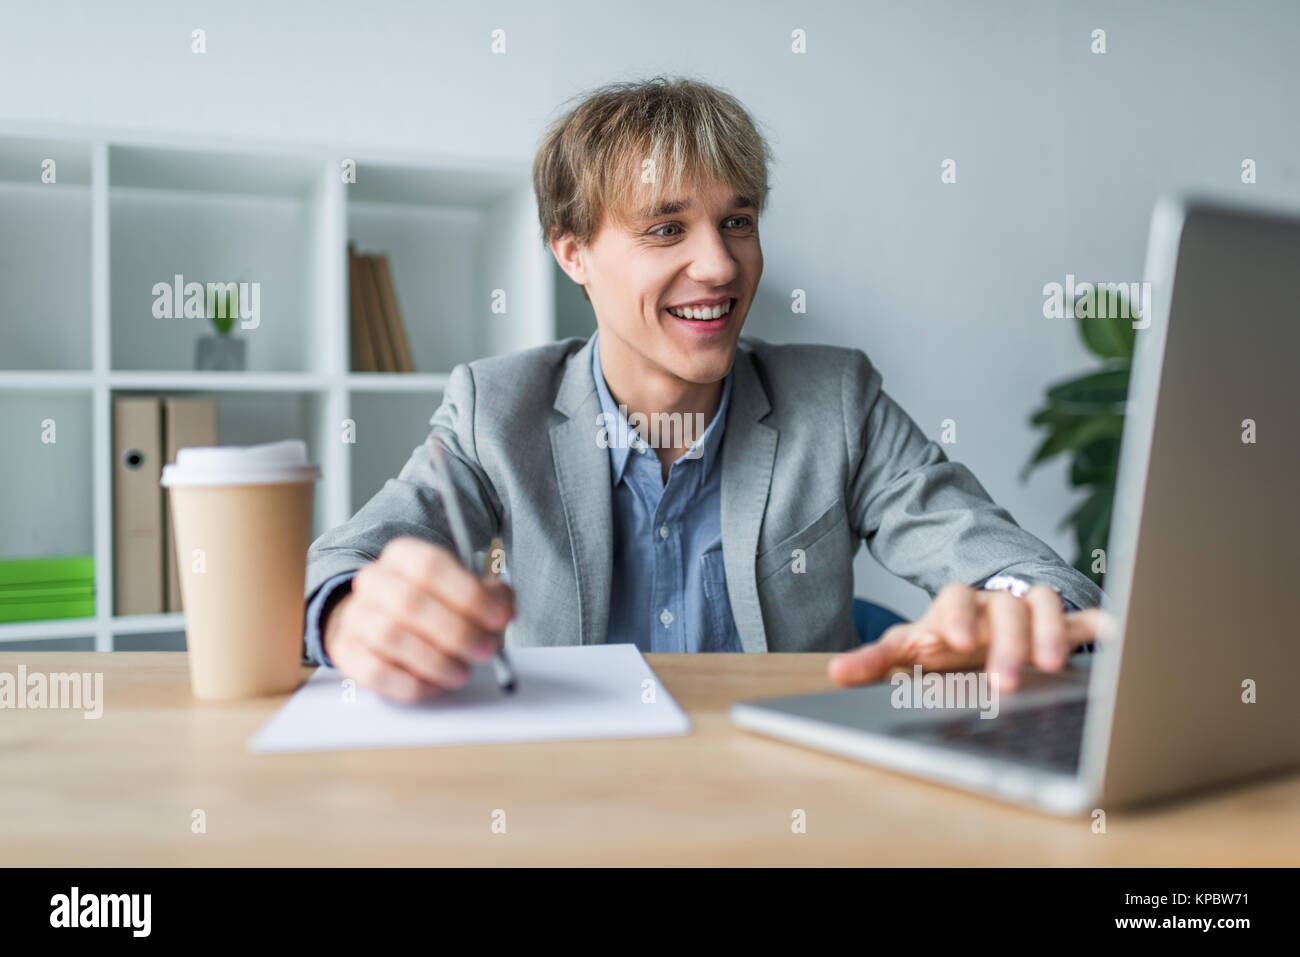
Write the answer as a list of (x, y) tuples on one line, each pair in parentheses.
[(569, 254)]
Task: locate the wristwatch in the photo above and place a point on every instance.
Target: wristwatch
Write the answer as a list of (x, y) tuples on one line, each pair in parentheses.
[(1017, 586)]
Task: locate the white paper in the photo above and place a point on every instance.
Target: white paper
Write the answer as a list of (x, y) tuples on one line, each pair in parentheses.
[(565, 693)]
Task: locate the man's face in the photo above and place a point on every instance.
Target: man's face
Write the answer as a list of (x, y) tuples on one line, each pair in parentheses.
[(698, 257)]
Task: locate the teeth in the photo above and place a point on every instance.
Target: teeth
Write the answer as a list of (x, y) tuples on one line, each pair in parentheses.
[(703, 312)]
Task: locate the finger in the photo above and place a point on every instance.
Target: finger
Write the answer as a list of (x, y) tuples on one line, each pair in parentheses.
[(458, 636), (414, 653), (1050, 648), (388, 596), (438, 572), (952, 614), (1009, 647), (870, 662), (354, 659), (398, 646), (1090, 624)]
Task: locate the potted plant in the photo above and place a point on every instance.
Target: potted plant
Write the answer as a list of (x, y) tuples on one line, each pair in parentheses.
[(222, 352), (1084, 417)]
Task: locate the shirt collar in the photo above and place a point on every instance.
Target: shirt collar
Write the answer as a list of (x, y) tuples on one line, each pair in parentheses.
[(623, 439)]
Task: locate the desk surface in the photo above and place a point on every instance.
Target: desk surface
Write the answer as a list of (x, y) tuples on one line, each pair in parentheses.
[(122, 790)]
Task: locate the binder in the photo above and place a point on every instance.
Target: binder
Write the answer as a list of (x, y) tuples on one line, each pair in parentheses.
[(138, 578), (186, 423)]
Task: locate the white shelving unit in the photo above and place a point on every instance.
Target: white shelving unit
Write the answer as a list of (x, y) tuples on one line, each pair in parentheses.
[(79, 259)]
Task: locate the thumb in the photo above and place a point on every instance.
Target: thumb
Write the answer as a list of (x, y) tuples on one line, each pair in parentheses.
[(870, 662)]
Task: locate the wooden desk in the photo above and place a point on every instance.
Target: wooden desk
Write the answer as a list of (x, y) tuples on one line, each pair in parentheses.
[(121, 791)]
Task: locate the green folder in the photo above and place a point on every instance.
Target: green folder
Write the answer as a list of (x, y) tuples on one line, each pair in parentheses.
[(41, 589), (62, 568), (47, 610), (58, 590)]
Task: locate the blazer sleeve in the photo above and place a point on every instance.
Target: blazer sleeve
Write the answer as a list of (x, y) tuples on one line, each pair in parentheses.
[(925, 518), (409, 504)]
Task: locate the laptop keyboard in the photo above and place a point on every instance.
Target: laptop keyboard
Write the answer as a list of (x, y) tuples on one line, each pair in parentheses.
[(1049, 736)]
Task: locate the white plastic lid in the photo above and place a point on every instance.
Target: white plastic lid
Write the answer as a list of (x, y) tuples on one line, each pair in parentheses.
[(269, 464)]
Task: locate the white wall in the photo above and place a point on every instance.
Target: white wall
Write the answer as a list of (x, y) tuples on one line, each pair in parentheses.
[(1060, 152)]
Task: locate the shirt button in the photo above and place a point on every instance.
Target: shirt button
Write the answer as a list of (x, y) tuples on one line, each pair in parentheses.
[(663, 531), (666, 617)]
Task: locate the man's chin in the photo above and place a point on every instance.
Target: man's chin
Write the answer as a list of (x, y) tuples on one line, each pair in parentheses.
[(703, 370)]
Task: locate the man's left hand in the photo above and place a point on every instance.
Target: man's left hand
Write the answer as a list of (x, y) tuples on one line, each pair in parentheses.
[(966, 627)]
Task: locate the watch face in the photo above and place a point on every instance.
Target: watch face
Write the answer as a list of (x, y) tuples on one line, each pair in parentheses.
[(1017, 586)]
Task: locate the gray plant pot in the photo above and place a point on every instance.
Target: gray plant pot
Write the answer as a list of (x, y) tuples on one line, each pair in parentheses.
[(219, 354)]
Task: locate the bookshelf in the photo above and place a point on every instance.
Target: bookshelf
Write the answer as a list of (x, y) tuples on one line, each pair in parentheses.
[(79, 259)]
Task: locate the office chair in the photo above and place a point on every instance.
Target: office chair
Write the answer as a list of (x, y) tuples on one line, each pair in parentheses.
[(870, 620)]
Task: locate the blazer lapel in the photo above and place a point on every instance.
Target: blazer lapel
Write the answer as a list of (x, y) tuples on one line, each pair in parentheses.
[(583, 478), (748, 453)]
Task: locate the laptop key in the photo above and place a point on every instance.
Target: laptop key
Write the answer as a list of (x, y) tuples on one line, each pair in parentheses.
[(1048, 735)]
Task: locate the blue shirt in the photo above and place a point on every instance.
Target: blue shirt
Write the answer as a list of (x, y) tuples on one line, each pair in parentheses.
[(668, 587)]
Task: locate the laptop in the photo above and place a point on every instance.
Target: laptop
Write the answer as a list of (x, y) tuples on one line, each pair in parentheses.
[(1197, 683)]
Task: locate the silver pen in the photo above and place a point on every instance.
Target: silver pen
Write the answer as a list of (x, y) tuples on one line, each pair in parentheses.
[(505, 674)]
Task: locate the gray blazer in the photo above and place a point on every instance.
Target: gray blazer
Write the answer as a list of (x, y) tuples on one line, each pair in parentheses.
[(816, 459)]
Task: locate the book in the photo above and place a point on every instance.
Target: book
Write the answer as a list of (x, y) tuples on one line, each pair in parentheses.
[(138, 576), (392, 314), (186, 423), (385, 355), (363, 347)]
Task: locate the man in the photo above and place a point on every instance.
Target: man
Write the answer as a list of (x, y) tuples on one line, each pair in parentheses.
[(665, 482)]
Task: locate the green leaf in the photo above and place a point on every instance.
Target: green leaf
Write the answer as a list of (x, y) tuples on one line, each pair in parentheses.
[(1107, 330), (1095, 463), (1090, 519), (222, 311), (1075, 434), (1104, 391), (1055, 417), (1092, 527)]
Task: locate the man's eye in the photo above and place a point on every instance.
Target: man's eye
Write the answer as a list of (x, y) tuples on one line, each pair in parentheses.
[(659, 231), (744, 221)]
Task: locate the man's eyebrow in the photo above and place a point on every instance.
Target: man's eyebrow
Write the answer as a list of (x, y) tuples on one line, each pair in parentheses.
[(672, 207)]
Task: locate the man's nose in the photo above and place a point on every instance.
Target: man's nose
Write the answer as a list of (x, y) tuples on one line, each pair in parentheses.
[(711, 260)]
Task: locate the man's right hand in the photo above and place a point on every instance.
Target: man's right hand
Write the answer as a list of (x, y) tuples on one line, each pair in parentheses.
[(416, 621)]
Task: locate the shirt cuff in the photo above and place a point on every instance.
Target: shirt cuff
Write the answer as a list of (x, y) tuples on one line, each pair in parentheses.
[(318, 610)]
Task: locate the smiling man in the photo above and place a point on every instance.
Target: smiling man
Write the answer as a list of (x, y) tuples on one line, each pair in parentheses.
[(736, 537)]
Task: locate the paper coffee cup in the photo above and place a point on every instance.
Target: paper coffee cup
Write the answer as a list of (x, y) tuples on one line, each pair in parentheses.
[(242, 523)]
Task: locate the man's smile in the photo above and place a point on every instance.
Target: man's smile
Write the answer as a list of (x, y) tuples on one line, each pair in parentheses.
[(706, 316)]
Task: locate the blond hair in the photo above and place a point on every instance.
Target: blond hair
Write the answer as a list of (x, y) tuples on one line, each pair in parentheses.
[(659, 131)]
